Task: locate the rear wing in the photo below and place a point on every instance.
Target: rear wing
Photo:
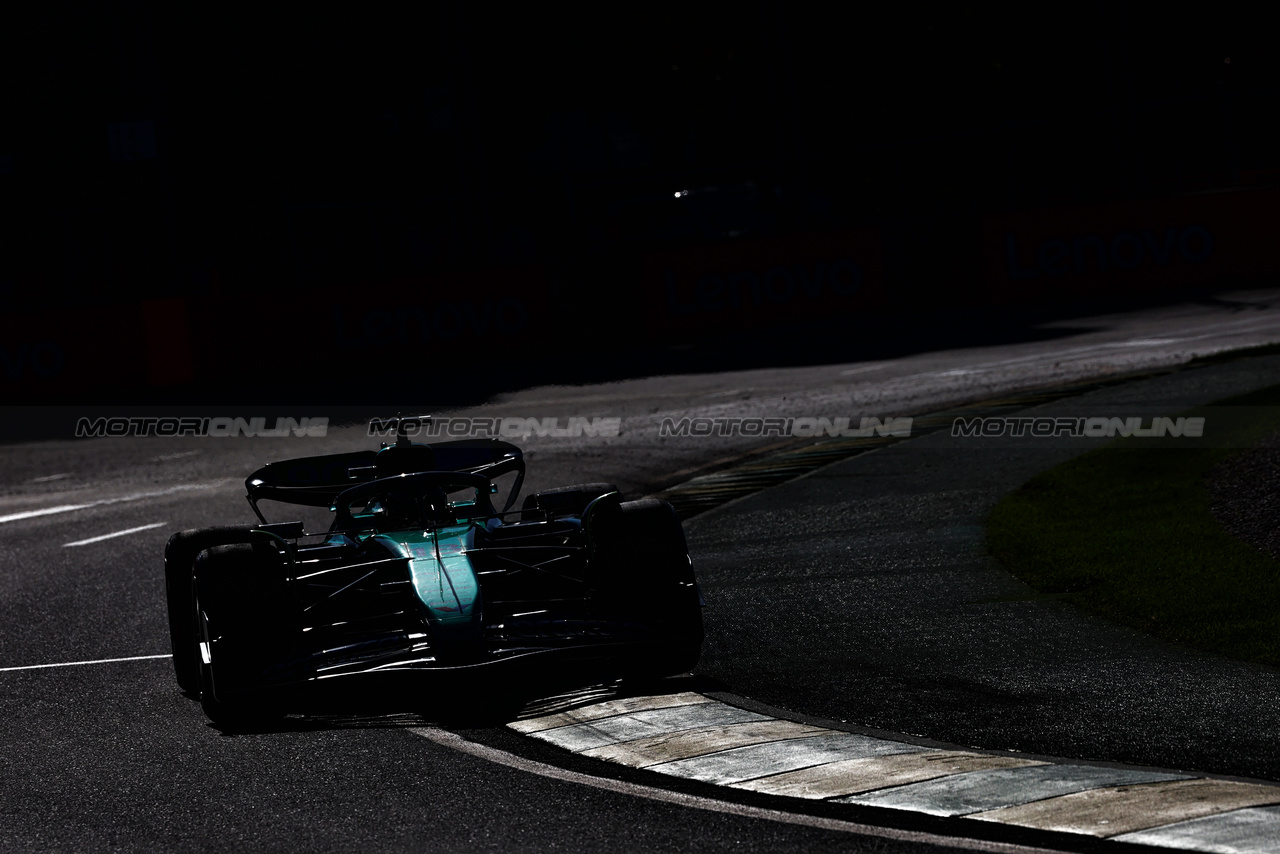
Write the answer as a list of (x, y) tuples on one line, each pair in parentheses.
[(317, 481)]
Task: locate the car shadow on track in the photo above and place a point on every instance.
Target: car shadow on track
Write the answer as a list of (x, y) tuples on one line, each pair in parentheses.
[(474, 710)]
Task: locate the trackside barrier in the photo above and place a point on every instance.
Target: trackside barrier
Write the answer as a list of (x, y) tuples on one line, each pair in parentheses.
[(67, 350), (499, 317), (734, 286), (168, 341), (366, 329)]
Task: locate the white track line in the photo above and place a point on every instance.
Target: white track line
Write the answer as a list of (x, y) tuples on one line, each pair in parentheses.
[(125, 532), (79, 663), (177, 456), (43, 511), (491, 754), (67, 508)]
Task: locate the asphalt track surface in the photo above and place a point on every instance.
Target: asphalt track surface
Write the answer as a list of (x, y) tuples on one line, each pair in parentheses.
[(109, 756), (922, 632)]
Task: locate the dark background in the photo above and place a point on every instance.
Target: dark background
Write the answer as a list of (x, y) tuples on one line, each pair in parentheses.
[(148, 151)]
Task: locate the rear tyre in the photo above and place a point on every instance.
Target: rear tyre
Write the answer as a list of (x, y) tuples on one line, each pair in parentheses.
[(564, 500), (179, 584), (640, 571), (243, 619)]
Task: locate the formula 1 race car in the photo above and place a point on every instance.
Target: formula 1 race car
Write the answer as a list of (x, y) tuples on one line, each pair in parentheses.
[(418, 574)]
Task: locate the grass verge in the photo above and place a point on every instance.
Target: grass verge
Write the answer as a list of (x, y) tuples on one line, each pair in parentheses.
[(1126, 532)]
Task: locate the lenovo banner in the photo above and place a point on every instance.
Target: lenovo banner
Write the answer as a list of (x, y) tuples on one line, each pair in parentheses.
[(1132, 247)]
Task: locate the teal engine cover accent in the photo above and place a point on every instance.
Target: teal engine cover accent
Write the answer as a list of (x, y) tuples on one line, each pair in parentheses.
[(443, 579)]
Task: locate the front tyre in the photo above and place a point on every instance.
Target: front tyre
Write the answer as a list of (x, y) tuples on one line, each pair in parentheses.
[(179, 584), (640, 571), (242, 619)]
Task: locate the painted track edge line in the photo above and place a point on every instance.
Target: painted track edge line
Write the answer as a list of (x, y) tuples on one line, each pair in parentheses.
[(80, 663), (137, 530), (502, 757)]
